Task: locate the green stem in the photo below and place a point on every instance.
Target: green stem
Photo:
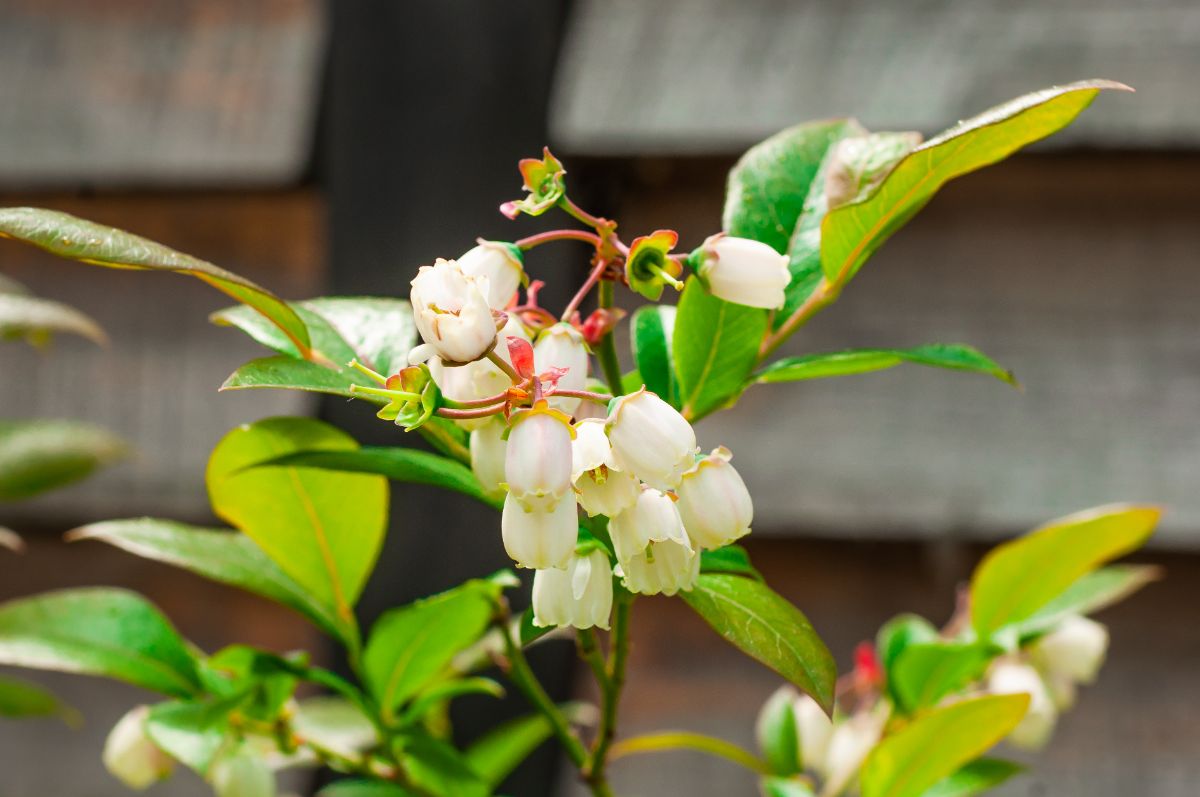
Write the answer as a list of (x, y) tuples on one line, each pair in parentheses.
[(597, 776), (822, 296), (606, 352), (684, 740), (444, 441), (589, 651)]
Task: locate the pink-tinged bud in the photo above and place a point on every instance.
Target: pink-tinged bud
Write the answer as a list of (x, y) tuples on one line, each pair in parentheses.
[(814, 729), (849, 744), (650, 439), (661, 568), (743, 271), (1074, 650), (1010, 676), (503, 266), (580, 596), (540, 540), (451, 312), (243, 775), (537, 464), (651, 518), (602, 489), (561, 346), (714, 502), (488, 449), (130, 755)]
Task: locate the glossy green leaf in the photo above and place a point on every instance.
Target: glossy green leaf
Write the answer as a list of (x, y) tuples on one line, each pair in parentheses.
[(23, 700), (77, 239), (288, 373), (410, 647), (860, 361), (1018, 578), (938, 744), (324, 529), (975, 778), (850, 234), (41, 455), (528, 632), (777, 735), (897, 634), (363, 788), (925, 673), (501, 750), (766, 627), (98, 631), (438, 769), (1091, 593), (400, 464), (715, 345), (729, 559), (191, 732), (650, 337), (224, 556), (34, 319)]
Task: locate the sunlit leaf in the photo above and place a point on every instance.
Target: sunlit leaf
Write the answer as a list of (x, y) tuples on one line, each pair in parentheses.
[(1091, 593), (956, 357), (288, 373), (976, 777)]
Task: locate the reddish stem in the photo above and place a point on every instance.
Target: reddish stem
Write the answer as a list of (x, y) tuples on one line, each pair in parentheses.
[(581, 294), (465, 415), (557, 235), (586, 395)]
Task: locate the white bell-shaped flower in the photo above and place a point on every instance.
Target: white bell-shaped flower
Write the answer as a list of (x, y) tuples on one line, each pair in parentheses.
[(503, 266), (537, 464), (849, 744), (651, 518), (130, 755), (714, 502), (744, 271), (813, 729), (452, 314), (580, 596), (479, 379), (1074, 650), (561, 346), (243, 775), (540, 539), (488, 450), (602, 489), (663, 567), (1011, 676), (650, 439)]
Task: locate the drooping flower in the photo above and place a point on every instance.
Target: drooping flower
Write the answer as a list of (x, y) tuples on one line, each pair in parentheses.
[(488, 448), (650, 439), (850, 742), (814, 729), (540, 539), (503, 266), (602, 489), (561, 346), (481, 378), (537, 464), (580, 596), (651, 518), (1011, 676), (1075, 649), (714, 502), (742, 271), (130, 755), (452, 314), (663, 567)]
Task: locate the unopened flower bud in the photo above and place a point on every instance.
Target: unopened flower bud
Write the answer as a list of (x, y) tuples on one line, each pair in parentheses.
[(503, 266), (849, 744), (488, 448), (540, 539), (743, 271), (1074, 650), (537, 463), (480, 379), (602, 489), (814, 729), (580, 596), (662, 567), (562, 346), (650, 439), (452, 314), (243, 775), (130, 755), (714, 502), (651, 518), (1014, 677)]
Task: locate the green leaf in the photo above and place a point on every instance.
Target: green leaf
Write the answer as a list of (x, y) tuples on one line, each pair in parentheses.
[(1018, 578), (98, 631), (975, 778), (22, 700), (729, 559), (501, 750), (898, 633), (34, 319), (1091, 593), (850, 234), (77, 239), (650, 338), (41, 455), (224, 556), (400, 464), (324, 529), (860, 361), (785, 787), (770, 183), (191, 732), (925, 673), (778, 738), (363, 788), (766, 627), (939, 743), (288, 373), (858, 164), (437, 768), (410, 647), (715, 345), (440, 693), (529, 632)]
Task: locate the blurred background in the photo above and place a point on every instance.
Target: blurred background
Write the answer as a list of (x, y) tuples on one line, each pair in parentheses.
[(333, 147)]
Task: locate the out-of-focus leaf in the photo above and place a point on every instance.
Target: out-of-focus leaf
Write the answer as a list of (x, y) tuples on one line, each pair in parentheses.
[(925, 673), (322, 528), (288, 373), (35, 319), (764, 626), (335, 724), (440, 693), (1018, 578), (860, 361), (23, 700), (77, 239), (650, 337), (776, 733), (1091, 593), (11, 540), (936, 745), (363, 788), (193, 732), (715, 345), (898, 634), (97, 631), (437, 768), (975, 778), (785, 787), (498, 752), (41, 455), (729, 559)]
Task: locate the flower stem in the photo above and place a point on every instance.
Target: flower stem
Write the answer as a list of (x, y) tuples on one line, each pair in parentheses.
[(586, 395), (606, 352), (550, 236), (508, 370), (684, 740), (585, 289), (582, 216), (466, 415), (596, 772)]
